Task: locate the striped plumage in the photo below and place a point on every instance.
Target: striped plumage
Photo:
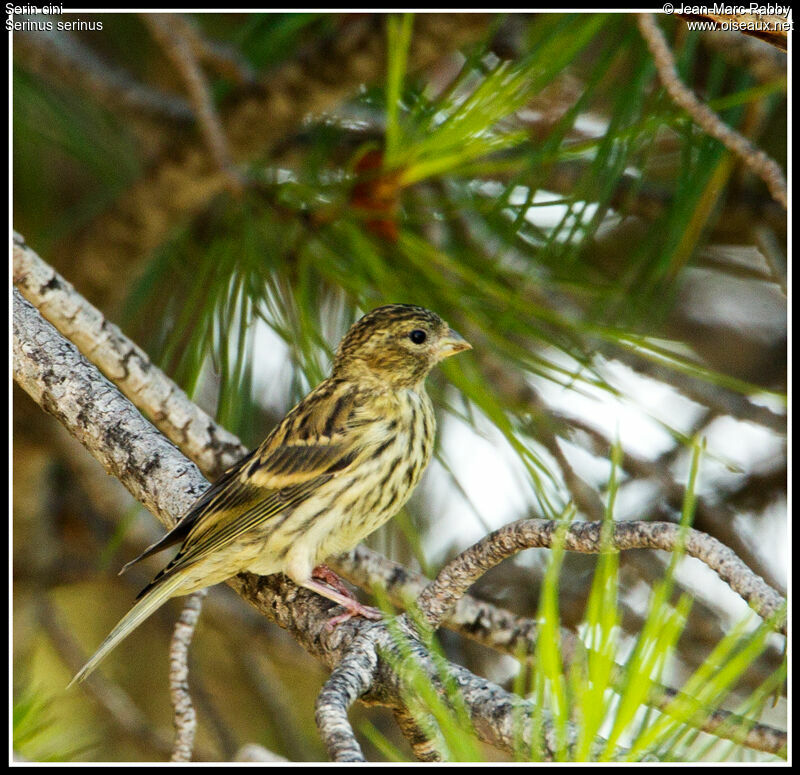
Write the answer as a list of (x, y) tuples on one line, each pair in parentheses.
[(337, 467)]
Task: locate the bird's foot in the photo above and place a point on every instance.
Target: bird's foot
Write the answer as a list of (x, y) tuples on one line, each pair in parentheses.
[(358, 609), (345, 599)]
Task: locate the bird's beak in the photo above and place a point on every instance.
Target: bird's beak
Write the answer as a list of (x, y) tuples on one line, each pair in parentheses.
[(451, 343)]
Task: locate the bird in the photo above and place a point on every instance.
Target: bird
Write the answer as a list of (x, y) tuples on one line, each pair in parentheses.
[(340, 464)]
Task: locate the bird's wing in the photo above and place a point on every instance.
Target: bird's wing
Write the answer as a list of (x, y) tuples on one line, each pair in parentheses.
[(322, 436), (224, 486)]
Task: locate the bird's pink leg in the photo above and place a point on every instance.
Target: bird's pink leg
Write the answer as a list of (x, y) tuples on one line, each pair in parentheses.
[(324, 573), (345, 599)]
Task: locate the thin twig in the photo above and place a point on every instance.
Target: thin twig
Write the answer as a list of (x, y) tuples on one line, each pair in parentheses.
[(756, 160), (226, 60), (184, 717), (65, 59), (179, 51)]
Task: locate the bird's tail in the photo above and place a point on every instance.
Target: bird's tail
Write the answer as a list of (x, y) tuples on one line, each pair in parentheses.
[(152, 600)]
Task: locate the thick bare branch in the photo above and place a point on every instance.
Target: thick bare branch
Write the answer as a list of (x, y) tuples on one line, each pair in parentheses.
[(349, 680), (52, 371), (498, 717), (212, 447)]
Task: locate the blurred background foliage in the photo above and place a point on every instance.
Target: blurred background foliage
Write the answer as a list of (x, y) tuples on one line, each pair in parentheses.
[(619, 274)]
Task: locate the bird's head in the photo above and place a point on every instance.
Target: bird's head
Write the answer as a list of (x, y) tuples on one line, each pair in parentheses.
[(399, 344)]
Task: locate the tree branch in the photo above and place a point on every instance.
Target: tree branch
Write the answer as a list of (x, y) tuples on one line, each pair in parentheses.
[(756, 160), (184, 715), (62, 57), (180, 51), (587, 537), (213, 448), (503, 631), (423, 745), (349, 680), (714, 518)]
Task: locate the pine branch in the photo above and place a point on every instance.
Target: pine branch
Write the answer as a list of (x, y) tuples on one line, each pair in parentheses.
[(212, 447), (182, 181)]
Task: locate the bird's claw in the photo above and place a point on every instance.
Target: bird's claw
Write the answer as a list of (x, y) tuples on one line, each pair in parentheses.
[(357, 609)]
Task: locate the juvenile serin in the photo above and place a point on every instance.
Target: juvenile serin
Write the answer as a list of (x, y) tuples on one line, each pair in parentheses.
[(337, 467)]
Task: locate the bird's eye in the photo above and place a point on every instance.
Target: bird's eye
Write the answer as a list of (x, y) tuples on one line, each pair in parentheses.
[(417, 336)]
